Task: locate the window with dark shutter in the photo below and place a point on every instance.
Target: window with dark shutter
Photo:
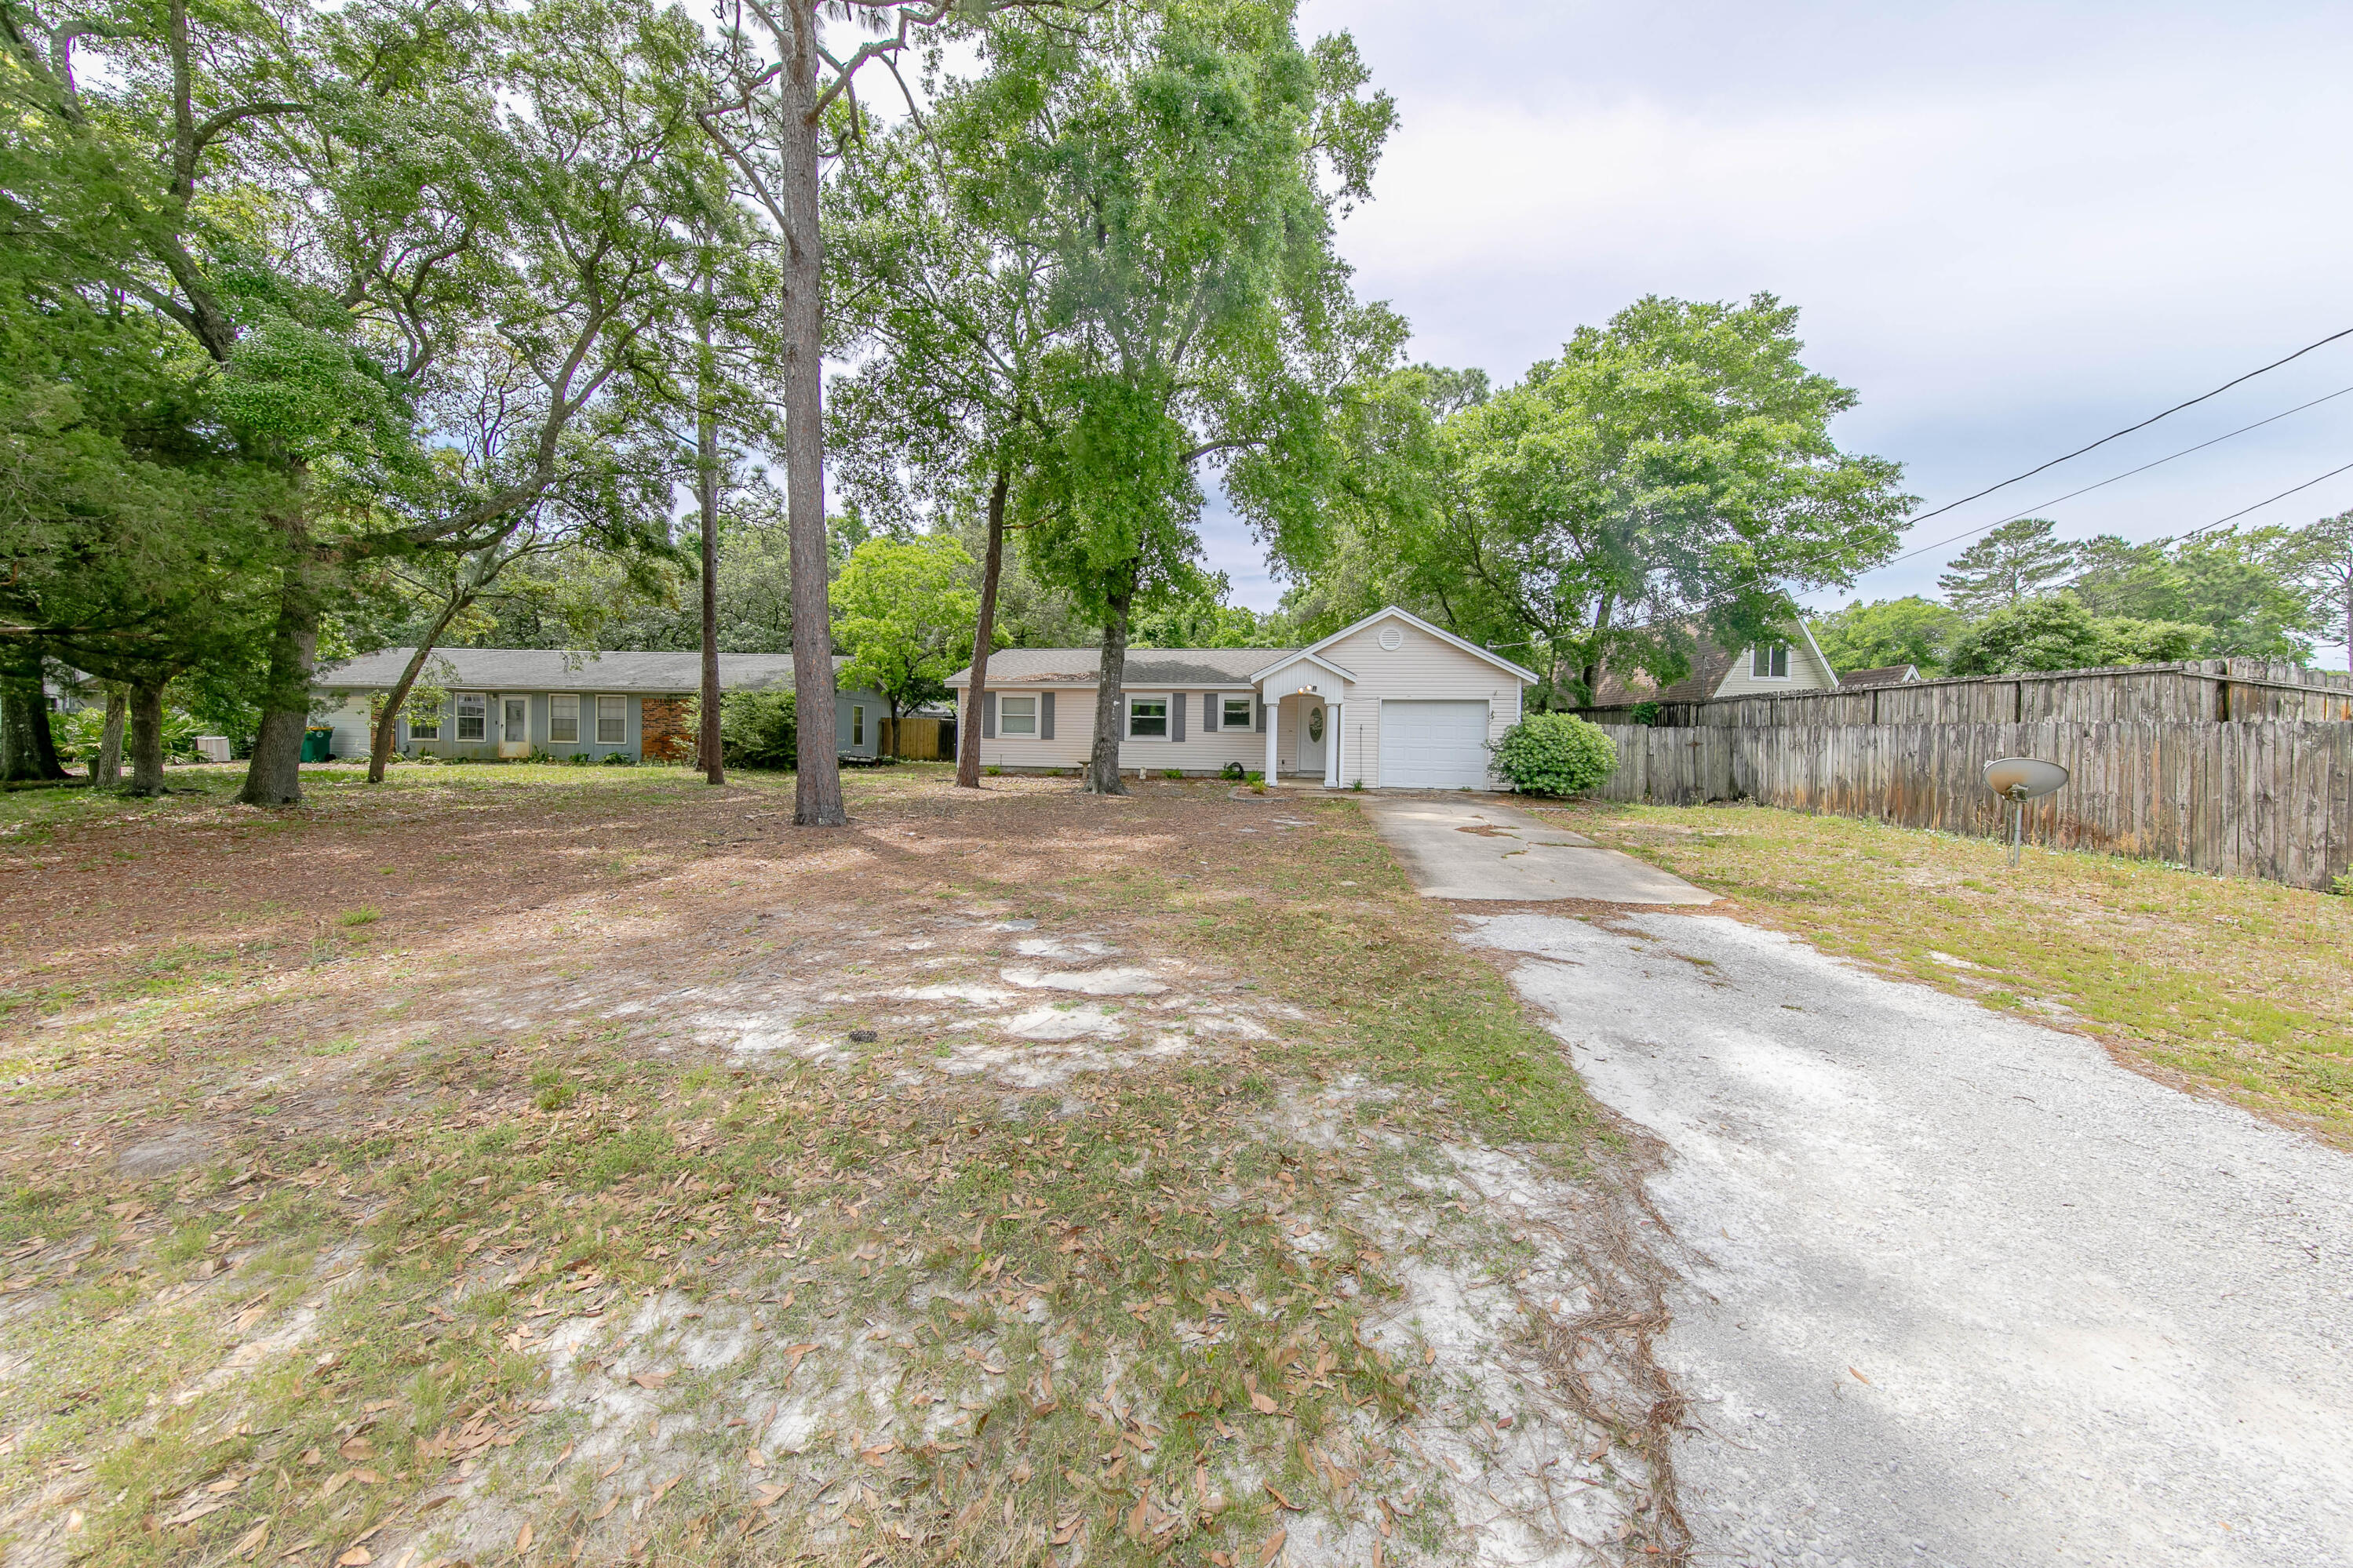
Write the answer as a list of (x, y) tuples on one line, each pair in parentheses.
[(988, 715), (1045, 715)]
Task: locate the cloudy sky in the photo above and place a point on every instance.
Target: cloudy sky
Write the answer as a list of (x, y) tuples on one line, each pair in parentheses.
[(2011, 228)]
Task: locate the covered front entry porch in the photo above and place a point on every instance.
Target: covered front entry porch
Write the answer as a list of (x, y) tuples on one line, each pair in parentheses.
[(1307, 702)]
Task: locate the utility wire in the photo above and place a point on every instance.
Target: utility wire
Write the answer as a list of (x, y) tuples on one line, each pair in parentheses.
[(2261, 504), (2129, 473), (2099, 484), (2128, 429)]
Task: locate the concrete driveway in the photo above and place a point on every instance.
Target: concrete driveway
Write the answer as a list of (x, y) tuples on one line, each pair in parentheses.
[(1479, 849), (1957, 1288)]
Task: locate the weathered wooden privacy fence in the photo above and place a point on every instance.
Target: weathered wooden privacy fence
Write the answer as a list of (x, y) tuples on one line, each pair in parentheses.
[(919, 739), (2237, 766)]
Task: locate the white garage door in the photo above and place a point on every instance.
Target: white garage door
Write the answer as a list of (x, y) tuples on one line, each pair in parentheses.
[(1433, 745)]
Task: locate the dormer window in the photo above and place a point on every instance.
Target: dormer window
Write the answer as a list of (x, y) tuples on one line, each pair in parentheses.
[(1769, 661)]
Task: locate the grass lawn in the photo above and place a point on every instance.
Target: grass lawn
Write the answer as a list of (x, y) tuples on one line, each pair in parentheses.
[(2239, 988), (540, 1165)]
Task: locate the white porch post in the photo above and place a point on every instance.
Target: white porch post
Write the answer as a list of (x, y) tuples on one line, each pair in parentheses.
[(1333, 731), (1274, 722)]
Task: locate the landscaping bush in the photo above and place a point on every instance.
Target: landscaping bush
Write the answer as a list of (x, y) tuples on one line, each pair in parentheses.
[(1554, 753), (757, 730)]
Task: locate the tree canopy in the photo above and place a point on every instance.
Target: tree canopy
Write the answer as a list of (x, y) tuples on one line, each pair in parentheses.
[(904, 610), (1671, 469)]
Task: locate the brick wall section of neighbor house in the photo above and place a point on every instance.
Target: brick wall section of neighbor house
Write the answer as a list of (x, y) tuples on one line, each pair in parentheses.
[(667, 724), (2228, 766)]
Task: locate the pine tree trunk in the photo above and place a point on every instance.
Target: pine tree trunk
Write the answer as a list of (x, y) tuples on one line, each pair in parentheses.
[(706, 485), (28, 750), (817, 786), (387, 718), (146, 705), (275, 777), (984, 634), (1102, 763), (107, 771)]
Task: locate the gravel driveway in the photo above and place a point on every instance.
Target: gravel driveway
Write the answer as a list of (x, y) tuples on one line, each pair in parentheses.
[(1959, 1290)]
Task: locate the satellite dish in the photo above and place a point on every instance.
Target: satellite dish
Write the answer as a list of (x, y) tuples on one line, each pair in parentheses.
[(2023, 778), (2019, 779)]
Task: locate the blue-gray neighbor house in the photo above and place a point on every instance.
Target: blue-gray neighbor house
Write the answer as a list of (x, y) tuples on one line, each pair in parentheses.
[(520, 702)]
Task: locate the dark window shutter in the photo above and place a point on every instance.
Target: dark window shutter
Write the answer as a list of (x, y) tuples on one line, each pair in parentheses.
[(1208, 712), (1261, 727), (1045, 715), (988, 715), (1176, 715)]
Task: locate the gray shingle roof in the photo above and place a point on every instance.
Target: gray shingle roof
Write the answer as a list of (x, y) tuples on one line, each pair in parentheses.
[(1183, 669), (553, 670), (1882, 675)]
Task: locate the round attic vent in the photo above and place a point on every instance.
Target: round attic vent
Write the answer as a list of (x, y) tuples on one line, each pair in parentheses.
[(1392, 639)]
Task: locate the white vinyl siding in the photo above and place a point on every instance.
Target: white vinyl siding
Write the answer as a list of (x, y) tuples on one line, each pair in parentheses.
[(612, 721), (563, 719), (1806, 673), (1074, 730), (1420, 667)]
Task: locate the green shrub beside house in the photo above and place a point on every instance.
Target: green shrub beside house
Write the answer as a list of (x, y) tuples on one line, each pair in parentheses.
[(1555, 755)]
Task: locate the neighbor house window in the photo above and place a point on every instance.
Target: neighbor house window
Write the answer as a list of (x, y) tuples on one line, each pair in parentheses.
[(1016, 715), (564, 719), (1235, 713), (857, 725), (1770, 661), (473, 714), (612, 721), (1147, 716), (425, 724)]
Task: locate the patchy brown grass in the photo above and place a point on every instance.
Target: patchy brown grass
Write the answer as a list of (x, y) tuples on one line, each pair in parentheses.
[(538, 1165), (2235, 987)]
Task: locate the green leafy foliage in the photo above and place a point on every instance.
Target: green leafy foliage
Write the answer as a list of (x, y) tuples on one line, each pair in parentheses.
[(1910, 630), (904, 610), (2057, 631), (757, 729), (1555, 755), (2241, 586), (1678, 456), (2014, 561)]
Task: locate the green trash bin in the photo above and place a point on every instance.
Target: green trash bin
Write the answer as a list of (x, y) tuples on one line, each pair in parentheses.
[(315, 742)]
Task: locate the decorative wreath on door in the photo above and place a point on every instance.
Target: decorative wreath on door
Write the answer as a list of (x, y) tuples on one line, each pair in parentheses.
[(1316, 723)]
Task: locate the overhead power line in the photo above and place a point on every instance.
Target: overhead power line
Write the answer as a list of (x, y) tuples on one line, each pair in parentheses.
[(2266, 501), (2097, 484), (2129, 473), (2119, 435)]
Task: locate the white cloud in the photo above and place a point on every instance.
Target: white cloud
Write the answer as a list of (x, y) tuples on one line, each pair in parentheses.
[(2011, 228)]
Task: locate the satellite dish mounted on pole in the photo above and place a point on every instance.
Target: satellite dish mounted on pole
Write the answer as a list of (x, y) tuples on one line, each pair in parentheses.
[(2019, 779)]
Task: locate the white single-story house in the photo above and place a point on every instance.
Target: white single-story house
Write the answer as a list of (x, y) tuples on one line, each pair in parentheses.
[(1760, 669), (1391, 702), (517, 702)]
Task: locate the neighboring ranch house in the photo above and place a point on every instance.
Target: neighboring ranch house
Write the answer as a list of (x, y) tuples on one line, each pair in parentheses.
[(519, 702), (1391, 702), (1761, 669)]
